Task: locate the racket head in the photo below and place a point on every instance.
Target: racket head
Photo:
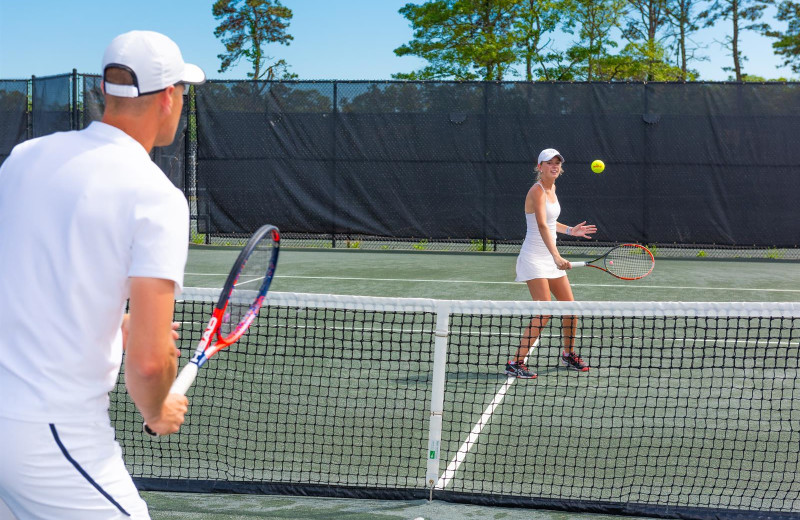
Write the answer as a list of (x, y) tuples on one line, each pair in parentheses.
[(629, 262), (247, 284)]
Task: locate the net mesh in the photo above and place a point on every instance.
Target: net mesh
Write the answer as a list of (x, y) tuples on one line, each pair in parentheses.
[(687, 407)]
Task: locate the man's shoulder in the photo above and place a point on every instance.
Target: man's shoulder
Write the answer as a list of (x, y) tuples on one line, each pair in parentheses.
[(36, 143)]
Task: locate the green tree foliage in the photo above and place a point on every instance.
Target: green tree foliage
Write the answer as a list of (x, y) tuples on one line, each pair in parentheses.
[(739, 13), (13, 100), (645, 20), (534, 20), (404, 98), (787, 42), (461, 39), (493, 39), (259, 98), (595, 19), (681, 17), (639, 61), (246, 26), (645, 27)]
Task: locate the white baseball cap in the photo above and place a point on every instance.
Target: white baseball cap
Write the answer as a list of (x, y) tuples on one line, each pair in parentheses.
[(154, 60), (549, 153)]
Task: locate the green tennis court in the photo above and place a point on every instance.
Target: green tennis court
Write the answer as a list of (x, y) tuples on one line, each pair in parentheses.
[(491, 277), (332, 419)]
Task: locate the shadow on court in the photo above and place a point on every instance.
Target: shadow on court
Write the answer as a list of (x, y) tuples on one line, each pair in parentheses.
[(171, 506)]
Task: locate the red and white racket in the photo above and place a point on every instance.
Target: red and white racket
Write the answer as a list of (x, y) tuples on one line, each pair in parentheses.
[(238, 305)]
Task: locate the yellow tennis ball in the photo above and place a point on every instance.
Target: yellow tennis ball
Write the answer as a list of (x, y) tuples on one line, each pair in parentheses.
[(598, 166)]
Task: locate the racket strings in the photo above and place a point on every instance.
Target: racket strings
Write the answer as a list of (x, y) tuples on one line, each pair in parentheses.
[(629, 262), (251, 278)]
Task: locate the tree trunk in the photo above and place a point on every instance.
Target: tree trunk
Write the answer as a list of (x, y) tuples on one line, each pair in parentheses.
[(528, 68), (737, 66), (682, 45)]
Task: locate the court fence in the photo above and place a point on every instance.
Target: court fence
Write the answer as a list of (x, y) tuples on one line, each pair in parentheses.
[(693, 169)]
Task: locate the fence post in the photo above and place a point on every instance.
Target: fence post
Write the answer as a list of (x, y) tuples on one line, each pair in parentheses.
[(646, 171), (333, 163), (74, 122), (30, 108), (485, 161), (189, 189)]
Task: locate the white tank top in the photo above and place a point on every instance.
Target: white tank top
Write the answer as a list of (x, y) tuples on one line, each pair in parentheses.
[(534, 244)]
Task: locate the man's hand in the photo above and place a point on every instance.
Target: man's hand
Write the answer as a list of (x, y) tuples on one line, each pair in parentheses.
[(172, 415)]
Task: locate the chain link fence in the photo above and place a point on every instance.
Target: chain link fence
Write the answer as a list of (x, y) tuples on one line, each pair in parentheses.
[(693, 170)]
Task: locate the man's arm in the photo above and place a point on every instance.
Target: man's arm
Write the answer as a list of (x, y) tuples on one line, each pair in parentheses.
[(151, 356)]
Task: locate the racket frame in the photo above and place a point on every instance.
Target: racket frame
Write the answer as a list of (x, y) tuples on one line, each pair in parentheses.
[(205, 350)]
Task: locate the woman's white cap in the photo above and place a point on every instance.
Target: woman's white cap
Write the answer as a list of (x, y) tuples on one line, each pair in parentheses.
[(153, 59), (549, 153)]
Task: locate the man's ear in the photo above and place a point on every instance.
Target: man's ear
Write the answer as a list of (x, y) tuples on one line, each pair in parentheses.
[(165, 99)]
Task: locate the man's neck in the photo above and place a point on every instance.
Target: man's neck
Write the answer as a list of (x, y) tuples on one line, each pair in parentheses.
[(141, 129)]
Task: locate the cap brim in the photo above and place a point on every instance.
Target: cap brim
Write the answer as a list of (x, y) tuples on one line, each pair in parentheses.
[(548, 157), (193, 75)]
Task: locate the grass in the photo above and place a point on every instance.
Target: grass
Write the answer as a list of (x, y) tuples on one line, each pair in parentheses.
[(480, 245), (197, 238), (774, 253)]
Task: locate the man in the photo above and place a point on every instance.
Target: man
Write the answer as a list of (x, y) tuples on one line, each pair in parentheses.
[(88, 221)]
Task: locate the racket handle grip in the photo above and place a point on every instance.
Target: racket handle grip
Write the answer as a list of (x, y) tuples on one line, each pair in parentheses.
[(577, 264), (185, 379)]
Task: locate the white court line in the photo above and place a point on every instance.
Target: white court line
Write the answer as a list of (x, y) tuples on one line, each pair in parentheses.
[(667, 287), (450, 472), (248, 281)]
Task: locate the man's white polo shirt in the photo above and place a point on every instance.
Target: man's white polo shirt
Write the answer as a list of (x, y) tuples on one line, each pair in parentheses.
[(80, 213)]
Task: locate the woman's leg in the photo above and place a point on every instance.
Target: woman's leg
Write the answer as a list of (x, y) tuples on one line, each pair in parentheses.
[(569, 325), (562, 290), (540, 291)]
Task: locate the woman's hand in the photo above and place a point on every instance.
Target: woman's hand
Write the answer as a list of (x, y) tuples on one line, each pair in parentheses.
[(583, 230), (562, 264)]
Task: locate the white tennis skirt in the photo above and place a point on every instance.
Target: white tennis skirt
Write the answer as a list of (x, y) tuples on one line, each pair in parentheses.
[(530, 267)]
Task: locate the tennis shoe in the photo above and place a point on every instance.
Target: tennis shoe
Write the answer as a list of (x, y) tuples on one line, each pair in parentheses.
[(573, 362), (519, 370)]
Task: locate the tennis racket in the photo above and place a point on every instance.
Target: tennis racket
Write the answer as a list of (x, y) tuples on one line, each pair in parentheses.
[(626, 262), (241, 298)]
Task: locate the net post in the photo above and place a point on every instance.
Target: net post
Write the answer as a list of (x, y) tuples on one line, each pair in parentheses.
[(437, 394)]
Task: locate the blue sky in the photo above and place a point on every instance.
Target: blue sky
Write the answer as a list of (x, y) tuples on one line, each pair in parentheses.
[(344, 39)]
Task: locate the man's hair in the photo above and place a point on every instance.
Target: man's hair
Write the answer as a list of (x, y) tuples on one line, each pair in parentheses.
[(120, 76)]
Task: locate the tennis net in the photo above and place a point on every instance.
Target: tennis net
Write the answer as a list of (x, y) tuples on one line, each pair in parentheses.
[(690, 410)]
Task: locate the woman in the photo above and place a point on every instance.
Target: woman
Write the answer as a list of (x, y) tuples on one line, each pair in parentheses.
[(541, 266)]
